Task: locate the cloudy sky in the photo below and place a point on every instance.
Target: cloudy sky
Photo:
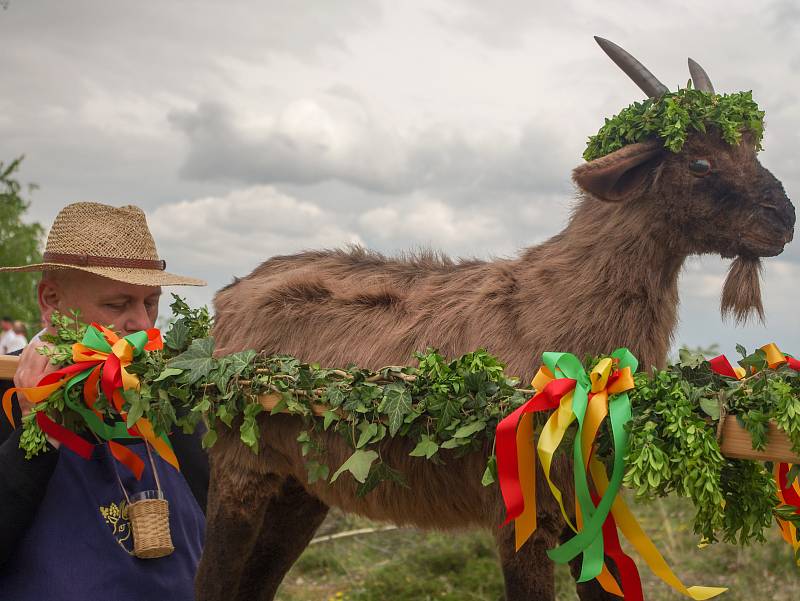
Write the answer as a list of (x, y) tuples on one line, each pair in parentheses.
[(248, 129)]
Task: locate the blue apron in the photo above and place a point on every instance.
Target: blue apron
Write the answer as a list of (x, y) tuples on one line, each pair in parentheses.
[(79, 546)]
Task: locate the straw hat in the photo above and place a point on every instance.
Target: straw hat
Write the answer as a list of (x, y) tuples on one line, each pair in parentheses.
[(108, 241)]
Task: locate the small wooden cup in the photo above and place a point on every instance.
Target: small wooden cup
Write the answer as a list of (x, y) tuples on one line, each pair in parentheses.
[(737, 443), (149, 520)]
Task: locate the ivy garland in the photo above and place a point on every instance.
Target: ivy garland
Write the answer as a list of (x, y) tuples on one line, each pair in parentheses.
[(672, 116), (456, 404), (674, 448)]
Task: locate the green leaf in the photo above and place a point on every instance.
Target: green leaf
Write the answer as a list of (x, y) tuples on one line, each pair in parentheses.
[(469, 429), (209, 439), (446, 410), (137, 407), (710, 406), (198, 360), (367, 432), (249, 430), (358, 464), (757, 360), (380, 473), (454, 443), (427, 448), (317, 471), (490, 475), (689, 358), (328, 418), (396, 404), (333, 397), (241, 360), (168, 372), (178, 336), (225, 415)]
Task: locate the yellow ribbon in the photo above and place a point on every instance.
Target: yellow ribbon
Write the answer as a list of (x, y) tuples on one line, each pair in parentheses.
[(632, 531), (525, 524), (551, 436), (788, 529), (774, 355)]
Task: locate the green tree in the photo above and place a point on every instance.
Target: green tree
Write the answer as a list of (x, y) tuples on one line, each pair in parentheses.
[(20, 244)]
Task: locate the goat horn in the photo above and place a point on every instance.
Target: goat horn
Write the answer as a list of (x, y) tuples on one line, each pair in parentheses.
[(700, 78), (633, 68)]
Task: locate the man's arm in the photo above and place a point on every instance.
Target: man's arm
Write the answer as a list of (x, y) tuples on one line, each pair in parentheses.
[(193, 461)]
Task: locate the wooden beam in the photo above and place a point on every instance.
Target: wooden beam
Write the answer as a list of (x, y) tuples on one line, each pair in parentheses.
[(8, 366), (738, 444), (269, 402)]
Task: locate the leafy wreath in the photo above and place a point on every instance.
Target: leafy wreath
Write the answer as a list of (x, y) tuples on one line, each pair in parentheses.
[(672, 116), (450, 404)]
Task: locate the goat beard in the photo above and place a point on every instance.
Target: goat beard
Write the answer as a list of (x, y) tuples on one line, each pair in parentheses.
[(741, 294)]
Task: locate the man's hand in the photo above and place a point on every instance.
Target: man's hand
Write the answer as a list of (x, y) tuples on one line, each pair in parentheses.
[(31, 369)]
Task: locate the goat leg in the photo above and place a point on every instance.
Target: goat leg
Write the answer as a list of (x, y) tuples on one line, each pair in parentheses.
[(237, 499), (290, 520), (528, 573)]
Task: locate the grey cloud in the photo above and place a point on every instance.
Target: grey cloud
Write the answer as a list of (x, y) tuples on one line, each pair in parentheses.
[(167, 31), (339, 139), (321, 99), (87, 85), (509, 24)]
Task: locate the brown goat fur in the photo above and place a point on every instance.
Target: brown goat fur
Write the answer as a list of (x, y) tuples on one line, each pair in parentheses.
[(609, 279), (741, 294)]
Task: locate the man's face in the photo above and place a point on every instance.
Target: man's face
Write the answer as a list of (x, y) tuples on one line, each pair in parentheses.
[(126, 307), (6, 325)]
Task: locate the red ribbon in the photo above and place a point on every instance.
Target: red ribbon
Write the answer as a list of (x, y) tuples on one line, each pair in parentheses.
[(506, 443), (790, 495), (630, 581), (69, 439), (722, 366)]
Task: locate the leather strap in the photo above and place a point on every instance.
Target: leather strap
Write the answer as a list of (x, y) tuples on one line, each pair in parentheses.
[(94, 261)]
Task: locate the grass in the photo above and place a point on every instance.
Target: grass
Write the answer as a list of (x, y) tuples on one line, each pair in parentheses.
[(409, 565)]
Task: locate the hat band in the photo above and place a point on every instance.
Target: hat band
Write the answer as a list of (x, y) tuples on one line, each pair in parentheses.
[(94, 261)]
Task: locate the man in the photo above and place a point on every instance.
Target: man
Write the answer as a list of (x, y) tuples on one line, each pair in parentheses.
[(20, 338), (64, 532), (7, 335)]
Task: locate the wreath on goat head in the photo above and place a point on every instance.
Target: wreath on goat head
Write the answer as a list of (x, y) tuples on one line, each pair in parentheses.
[(674, 115), (671, 116)]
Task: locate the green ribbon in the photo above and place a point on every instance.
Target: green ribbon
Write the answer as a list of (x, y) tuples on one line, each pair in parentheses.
[(589, 540)]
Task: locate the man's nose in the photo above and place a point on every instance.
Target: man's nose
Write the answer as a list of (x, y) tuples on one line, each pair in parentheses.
[(137, 319)]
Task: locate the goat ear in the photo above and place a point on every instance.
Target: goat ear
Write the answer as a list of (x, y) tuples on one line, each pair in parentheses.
[(620, 175)]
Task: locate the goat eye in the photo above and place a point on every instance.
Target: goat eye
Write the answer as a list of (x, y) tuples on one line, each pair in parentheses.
[(700, 167)]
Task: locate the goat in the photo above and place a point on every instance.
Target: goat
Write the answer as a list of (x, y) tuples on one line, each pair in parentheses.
[(609, 279)]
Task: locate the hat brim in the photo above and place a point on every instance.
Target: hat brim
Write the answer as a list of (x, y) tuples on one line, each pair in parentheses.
[(137, 277)]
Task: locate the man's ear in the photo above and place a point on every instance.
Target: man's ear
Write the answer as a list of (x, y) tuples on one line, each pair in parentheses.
[(620, 175), (49, 295)]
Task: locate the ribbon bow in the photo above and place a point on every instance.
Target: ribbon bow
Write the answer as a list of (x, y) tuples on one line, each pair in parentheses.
[(563, 384), (100, 358)]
